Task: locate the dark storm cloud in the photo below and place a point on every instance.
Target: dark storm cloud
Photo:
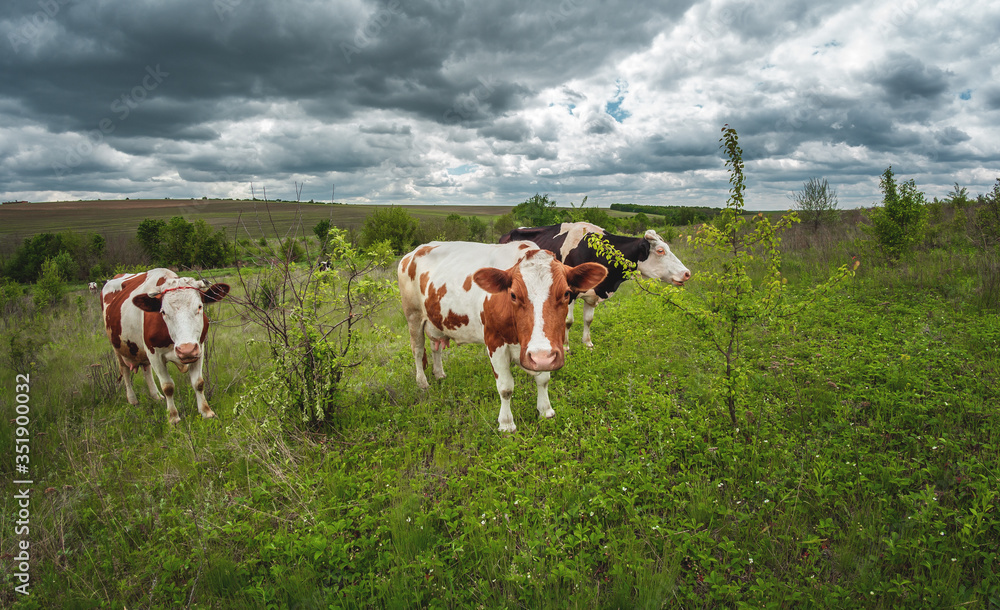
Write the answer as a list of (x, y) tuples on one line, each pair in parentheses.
[(433, 100), (905, 78)]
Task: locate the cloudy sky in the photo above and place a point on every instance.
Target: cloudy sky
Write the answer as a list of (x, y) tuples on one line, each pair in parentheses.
[(475, 102)]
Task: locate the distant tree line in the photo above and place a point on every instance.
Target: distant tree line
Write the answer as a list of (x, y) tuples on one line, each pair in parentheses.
[(673, 215)]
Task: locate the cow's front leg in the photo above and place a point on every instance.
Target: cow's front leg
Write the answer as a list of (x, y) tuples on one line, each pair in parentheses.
[(500, 360), (543, 404), (159, 366), (569, 322), (588, 317), (198, 383)]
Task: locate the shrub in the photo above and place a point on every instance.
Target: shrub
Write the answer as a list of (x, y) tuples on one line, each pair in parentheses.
[(816, 203), (504, 224), (311, 327), (390, 224), (899, 225), (50, 286), (536, 211)]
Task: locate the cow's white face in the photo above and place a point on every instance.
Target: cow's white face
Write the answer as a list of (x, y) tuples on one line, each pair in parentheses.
[(661, 264), (181, 305), (536, 292)]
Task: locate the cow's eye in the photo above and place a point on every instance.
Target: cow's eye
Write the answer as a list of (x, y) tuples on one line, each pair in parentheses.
[(659, 250), (568, 295), (513, 297)]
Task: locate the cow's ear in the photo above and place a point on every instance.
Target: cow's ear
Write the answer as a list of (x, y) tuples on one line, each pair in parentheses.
[(652, 236), (215, 292), (492, 280), (585, 276), (147, 303)]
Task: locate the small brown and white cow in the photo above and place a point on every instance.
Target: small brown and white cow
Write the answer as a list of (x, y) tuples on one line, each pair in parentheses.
[(156, 317), (92, 287), (512, 298)]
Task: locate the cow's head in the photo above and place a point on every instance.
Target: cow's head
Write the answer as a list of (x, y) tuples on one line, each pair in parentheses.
[(661, 264), (181, 303), (536, 294)]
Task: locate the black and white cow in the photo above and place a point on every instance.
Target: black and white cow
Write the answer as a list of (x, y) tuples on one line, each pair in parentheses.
[(569, 242)]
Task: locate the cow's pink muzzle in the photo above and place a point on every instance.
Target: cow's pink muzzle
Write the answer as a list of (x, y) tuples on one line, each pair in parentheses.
[(188, 352)]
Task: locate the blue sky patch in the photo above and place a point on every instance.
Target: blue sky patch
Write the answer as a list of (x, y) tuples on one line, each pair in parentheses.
[(466, 168)]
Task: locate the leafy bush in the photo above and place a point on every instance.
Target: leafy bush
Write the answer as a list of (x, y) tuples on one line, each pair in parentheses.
[(537, 211), (505, 223), (390, 224), (50, 286), (899, 225), (311, 322)]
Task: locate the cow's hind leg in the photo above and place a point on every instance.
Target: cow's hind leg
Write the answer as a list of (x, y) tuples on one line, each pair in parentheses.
[(127, 381), (418, 345), (150, 384), (437, 349)]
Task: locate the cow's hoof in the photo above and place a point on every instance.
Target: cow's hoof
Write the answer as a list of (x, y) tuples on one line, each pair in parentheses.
[(209, 414), (588, 345), (442, 375), (508, 427), (422, 384), (549, 414), (133, 401), (173, 419)]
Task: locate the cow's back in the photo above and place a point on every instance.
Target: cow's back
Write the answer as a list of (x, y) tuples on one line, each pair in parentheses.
[(123, 321), (436, 284)]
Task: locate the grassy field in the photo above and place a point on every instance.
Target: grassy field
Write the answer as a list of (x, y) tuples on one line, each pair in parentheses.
[(251, 219), (863, 472)]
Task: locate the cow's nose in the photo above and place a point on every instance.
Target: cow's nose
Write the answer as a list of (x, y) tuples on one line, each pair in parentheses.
[(188, 352), (686, 276), (542, 361)]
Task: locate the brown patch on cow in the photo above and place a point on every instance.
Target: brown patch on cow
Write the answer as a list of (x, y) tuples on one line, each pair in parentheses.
[(201, 385), (113, 302), (412, 271), (161, 281), (432, 305), (133, 349), (453, 321), (168, 390), (530, 255), (524, 246), (154, 331), (406, 263), (423, 251), (467, 286), (424, 277), (204, 328)]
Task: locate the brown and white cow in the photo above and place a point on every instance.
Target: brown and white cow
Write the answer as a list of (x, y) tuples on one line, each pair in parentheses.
[(92, 287), (569, 242), (156, 317), (512, 298)]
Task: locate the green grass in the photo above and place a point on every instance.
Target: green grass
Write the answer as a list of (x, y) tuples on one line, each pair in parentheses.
[(864, 472)]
